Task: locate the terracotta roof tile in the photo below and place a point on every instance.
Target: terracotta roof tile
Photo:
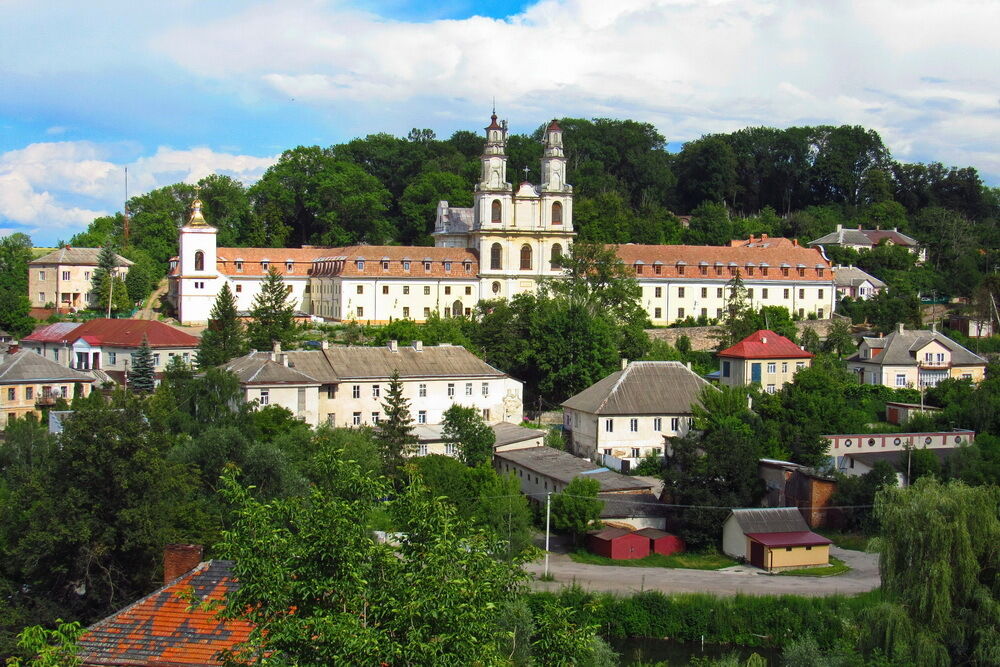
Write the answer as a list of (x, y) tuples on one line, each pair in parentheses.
[(168, 627), (748, 258), (766, 344)]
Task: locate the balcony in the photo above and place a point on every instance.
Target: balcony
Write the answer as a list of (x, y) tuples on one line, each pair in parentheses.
[(46, 401), (933, 365)]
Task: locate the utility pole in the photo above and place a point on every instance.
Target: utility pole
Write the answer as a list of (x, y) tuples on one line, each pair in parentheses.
[(111, 292), (548, 517), (125, 229)]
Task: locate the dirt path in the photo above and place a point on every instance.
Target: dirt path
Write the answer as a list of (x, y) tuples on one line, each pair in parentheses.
[(862, 577), (148, 313)]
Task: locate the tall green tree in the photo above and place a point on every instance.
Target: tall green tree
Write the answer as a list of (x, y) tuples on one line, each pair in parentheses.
[(434, 599), (577, 509), (225, 337), (15, 253), (104, 282), (466, 429), (395, 433), (946, 609), (141, 377), (272, 315)]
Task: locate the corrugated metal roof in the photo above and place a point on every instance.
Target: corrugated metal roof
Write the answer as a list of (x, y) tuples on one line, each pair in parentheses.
[(766, 344), (52, 333), (28, 366), (121, 333), (793, 539), (626, 505), (77, 257), (644, 387), (770, 520), (258, 368), (653, 533), (165, 628), (564, 467), (900, 348), (611, 533)]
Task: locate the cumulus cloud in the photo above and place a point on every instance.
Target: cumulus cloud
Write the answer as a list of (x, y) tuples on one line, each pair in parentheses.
[(688, 66), (64, 185)]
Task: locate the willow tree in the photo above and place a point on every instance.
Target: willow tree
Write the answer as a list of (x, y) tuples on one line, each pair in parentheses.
[(940, 574)]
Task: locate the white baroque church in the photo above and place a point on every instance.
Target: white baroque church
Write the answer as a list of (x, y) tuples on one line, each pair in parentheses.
[(505, 244)]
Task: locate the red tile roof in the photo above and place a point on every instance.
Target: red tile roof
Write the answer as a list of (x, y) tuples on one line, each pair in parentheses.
[(344, 262), (803, 538), (252, 260), (765, 344), (121, 333), (772, 258), (170, 626)]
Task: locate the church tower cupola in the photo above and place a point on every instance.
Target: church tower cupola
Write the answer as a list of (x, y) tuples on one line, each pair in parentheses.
[(494, 159), (554, 161)]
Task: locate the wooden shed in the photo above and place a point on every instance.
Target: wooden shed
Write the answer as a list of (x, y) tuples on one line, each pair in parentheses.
[(661, 542), (618, 543)]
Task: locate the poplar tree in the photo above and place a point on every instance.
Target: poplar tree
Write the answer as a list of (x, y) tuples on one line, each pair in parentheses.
[(395, 432), (225, 337), (140, 380), (272, 314)]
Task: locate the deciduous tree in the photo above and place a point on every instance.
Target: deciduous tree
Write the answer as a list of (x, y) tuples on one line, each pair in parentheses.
[(466, 429), (576, 509)]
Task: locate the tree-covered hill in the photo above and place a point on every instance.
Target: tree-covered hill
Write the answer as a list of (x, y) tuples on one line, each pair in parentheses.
[(798, 182)]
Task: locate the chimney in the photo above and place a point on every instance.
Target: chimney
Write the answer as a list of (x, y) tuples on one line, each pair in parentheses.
[(763, 339), (394, 346), (283, 359), (934, 327), (13, 347), (840, 228), (624, 364), (325, 345), (418, 345), (795, 242), (275, 350), (689, 365), (899, 327), (179, 559)]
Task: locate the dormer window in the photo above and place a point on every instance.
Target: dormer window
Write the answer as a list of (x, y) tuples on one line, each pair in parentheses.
[(288, 267), (819, 271), (468, 267), (385, 265), (360, 264), (239, 265), (427, 267), (657, 269), (680, 269), (264, 265), (406, 266), (447, 266), (784, 271), (802, 271), (638, 269)]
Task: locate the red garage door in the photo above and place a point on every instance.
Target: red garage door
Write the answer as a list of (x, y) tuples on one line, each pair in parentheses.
[(757, 554)]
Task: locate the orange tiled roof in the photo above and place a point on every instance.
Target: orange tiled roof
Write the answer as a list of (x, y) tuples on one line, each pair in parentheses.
[(690, 261), (169, 627), (253, 258)]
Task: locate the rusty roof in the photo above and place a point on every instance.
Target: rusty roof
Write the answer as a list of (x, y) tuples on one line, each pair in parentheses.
[(169, 627), (120, 333), (643, 388)]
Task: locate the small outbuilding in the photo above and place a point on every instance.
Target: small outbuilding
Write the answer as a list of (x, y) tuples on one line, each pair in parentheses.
[(774, 538), (661, 542), (618, 543)]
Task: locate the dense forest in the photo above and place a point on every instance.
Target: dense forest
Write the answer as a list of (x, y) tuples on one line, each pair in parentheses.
[(798, 182)]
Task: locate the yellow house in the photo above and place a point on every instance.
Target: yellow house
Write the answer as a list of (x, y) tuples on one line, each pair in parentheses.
[(64, 277), (914, 359), (763, 358), (774, 538), (29, 383)]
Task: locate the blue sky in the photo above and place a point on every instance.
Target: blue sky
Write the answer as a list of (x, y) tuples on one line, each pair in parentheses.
[(176, 90)]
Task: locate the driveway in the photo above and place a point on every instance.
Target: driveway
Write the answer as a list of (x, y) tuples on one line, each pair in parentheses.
[(863, 576)]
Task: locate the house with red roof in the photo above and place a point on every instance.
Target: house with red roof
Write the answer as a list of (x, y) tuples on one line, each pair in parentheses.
[(773, 539), (764, 358), (177, 624), (107, 345)]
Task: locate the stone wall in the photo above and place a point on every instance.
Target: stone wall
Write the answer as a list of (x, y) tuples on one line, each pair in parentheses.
[(702, 337)]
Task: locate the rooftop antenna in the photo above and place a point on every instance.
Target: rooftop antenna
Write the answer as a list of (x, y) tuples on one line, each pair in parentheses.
[(125, 229)]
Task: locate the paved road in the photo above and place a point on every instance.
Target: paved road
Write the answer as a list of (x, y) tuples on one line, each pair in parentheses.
[(862, 577)]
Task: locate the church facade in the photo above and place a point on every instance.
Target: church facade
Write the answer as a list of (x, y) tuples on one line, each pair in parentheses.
[(505, 244)]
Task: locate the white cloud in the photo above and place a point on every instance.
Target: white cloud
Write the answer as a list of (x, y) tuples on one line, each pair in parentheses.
[(689, 66), (67, 184)]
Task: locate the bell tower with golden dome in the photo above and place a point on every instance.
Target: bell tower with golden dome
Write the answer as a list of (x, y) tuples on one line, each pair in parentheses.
[(198, 280)]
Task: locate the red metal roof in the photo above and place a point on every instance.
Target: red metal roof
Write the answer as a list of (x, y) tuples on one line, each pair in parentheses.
[(122, 333), (170, 627), (803, 538), (766, 344)]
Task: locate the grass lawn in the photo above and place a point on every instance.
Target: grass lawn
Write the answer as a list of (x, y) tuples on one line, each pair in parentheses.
[(835, 567), (690, 561), (853, 541)]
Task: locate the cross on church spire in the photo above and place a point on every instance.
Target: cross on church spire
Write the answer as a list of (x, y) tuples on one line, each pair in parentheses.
[(526, 170)]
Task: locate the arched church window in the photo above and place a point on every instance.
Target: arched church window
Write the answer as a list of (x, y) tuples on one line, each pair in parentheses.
[(495, 211), (456, 309), (199, 261), (496, 257), (557, 213), (555, 260), (526, 257)]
